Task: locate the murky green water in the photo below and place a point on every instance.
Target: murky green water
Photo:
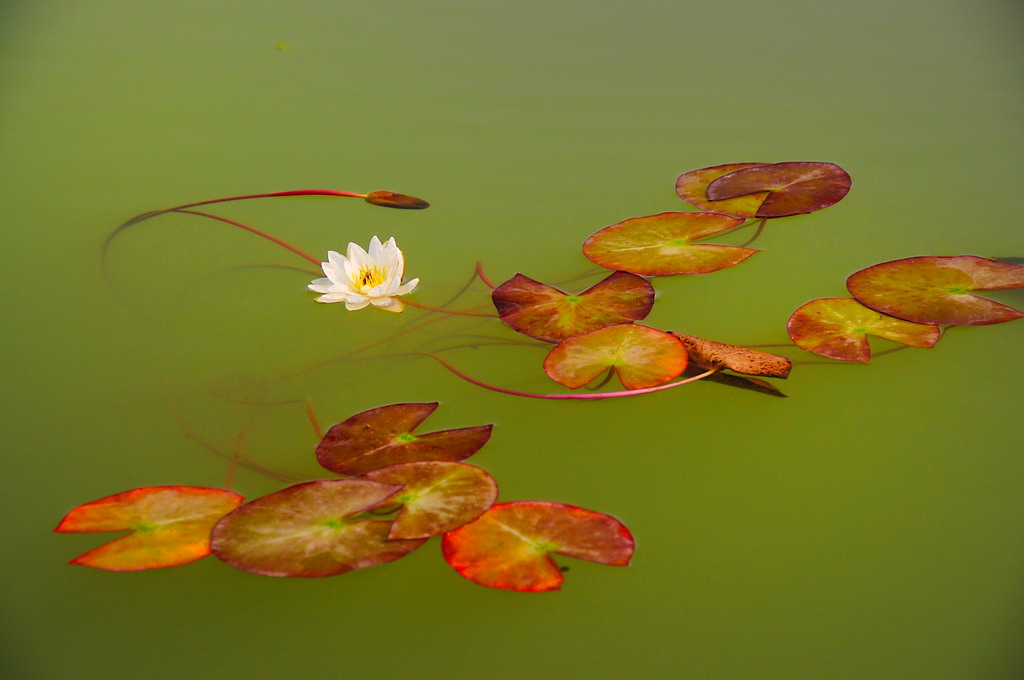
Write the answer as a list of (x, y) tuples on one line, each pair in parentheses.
[(869, 526)]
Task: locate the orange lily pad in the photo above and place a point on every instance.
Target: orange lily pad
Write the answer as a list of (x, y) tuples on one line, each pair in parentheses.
[(795, 187), (437, 496), (310, 530), (659, 245), (937, 290), (547, 313), (640, 356), (170, 524), (692, 187), (383, 436), (838, 328), (510, 545)]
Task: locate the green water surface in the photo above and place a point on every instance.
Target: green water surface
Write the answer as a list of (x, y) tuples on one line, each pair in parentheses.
[(868, 526)]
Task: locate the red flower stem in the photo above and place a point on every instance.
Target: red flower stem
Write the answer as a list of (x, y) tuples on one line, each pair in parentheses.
[(274, 194), (600, 395), (483, 277), (237, 456), (262, 234), (141, 217)]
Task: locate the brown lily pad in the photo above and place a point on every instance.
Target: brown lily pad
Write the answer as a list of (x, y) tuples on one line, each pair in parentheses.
[(938, 290), (547, 313), (310, 530), (692, 187), (437, 496), (662, 244), (794, 188), (509, 546), (384, 436), (838, 328), (639, 355), (170, 526)]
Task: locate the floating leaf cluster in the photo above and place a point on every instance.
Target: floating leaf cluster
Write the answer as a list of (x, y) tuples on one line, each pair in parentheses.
[(395, 487), (405, 489)]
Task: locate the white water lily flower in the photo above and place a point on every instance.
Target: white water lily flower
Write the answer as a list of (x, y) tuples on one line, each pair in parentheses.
[(363, 278)]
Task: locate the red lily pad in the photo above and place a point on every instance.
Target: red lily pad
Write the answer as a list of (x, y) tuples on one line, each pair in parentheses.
[(170, 524), (692, 187), (547, 313), (937, 290), (383, 436), (438, 496), (509, 546), (308, 530), (795, 188), (659, 245), (711, 354), (639, 355), (838, 328)]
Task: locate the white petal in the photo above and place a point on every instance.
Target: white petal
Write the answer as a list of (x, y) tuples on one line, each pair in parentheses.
[(376, 250), (393, 257), (322, 286), (355, 302), (392, 304), (332, 297), (407, 288)]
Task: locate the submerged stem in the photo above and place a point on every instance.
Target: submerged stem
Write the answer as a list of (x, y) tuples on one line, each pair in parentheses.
[(757, 232), (449, 311), (262, 234)]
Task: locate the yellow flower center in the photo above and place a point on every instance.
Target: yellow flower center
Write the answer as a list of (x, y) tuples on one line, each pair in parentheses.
[(370, 276)]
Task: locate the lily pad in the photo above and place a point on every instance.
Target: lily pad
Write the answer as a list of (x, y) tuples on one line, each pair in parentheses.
[(659, 245), (692, 187), (383, 436), (170, 524), (547, 313), (795, 188), (509, 546), (308, 530), (838, 328), (639, 355), (711, 354), (937, 290), (438, 496)]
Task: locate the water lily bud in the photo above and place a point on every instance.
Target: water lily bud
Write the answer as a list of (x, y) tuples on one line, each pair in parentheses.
[(390, 199)]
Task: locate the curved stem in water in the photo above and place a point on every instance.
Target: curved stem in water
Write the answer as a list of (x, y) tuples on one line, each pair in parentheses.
[(483, 277), (757, 232), (596, 395), (261, 234)]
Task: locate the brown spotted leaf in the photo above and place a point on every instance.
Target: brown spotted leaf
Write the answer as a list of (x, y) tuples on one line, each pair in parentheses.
[(711, 354)]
